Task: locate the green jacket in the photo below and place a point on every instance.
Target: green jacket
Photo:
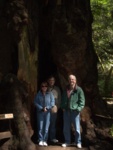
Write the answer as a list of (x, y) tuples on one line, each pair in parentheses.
[(76, 100)]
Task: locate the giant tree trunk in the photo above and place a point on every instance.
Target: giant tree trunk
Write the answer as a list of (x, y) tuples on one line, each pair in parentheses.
[(18, 55), (65, 27)]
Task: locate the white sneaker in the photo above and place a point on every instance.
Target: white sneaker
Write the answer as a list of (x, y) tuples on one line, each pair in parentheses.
[(79, 145), (54, 141), (64, 145), (45, 144), (41, 143)]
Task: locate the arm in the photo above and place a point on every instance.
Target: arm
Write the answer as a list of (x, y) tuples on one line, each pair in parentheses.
[(52, 101), (37, 103), (81, 101)]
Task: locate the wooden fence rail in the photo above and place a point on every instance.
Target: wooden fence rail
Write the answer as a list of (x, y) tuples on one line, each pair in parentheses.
[(6, 134)]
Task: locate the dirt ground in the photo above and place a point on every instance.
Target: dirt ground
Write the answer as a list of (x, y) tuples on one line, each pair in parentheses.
[(98, 145), (58, 147)]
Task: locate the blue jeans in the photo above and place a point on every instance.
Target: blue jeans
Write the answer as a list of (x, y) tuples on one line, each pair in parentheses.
[(71, 117), (53, 126), (43, 122)]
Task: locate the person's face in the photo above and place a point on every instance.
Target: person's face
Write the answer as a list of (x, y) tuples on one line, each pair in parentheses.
[(72, 80), (44, 87), (51, 82)]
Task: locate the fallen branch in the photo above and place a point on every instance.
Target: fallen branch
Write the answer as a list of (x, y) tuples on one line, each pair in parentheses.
[(104, 117)]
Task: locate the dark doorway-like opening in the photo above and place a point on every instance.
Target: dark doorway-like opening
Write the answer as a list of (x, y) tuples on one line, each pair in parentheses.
[(46, 65), (46, 68)]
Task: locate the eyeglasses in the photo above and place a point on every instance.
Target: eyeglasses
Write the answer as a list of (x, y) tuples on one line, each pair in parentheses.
[(44, 86)]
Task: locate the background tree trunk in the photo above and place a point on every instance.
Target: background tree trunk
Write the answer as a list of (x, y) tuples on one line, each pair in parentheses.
[(19, 49), (14, 93)]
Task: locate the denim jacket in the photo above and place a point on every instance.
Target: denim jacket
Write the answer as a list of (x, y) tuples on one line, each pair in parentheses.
[(42, 101)]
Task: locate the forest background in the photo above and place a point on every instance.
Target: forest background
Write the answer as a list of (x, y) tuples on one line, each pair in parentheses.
[(102, 35)]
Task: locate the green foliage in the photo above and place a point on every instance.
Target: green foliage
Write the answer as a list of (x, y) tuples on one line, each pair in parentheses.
[(102, 35), (105, 91)]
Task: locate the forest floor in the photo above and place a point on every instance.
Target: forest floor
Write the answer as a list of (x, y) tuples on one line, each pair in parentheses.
[(58, 147), (100, 145)]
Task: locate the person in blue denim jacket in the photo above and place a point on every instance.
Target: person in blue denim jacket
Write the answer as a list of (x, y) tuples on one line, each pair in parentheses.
[(43, 102)]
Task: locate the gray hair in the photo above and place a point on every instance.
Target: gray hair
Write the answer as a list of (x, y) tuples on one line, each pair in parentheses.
[(71, 75)]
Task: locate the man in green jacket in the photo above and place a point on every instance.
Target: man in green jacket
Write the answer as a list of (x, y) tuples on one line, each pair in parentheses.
[(73, 101)]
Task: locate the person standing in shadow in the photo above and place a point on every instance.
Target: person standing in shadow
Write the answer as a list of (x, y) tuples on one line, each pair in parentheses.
[(54, 113)]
